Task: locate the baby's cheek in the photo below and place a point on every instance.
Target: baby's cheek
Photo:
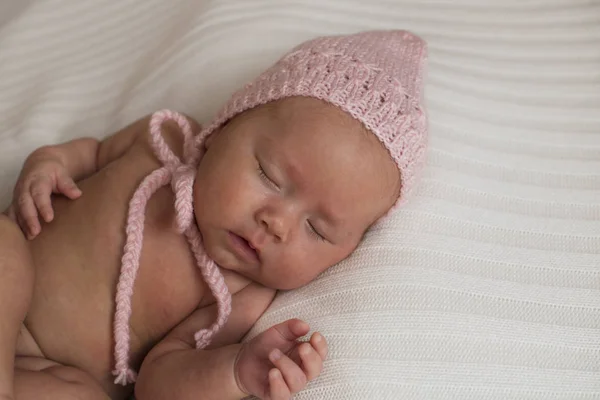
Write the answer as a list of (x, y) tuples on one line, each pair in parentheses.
[(237, 190), (238, 197), (313, 261)]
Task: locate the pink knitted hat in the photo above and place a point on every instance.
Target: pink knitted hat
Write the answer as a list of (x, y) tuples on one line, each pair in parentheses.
[(375, 76)]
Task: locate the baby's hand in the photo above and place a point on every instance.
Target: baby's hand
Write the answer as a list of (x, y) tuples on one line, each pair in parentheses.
[(274, 365), (43, 174)]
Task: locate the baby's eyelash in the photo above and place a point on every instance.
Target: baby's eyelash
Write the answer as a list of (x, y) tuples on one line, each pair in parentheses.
[(263, 175), (315, 233)]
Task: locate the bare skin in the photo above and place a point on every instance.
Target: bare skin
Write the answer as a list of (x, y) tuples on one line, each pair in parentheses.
[(284, 192)]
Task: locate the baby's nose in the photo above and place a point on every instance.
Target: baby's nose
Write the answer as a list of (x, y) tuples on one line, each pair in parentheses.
[(279, 229), (278, 223)]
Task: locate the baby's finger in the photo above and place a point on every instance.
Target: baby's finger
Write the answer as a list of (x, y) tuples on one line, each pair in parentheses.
[(292, 373), (292, 329), (278, 389), (41, 190), (68, 187), (319, 344), (312, 363), (27, 215), (24, 227)]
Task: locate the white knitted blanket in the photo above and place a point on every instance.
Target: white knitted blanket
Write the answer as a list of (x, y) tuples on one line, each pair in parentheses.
[(487, 286)]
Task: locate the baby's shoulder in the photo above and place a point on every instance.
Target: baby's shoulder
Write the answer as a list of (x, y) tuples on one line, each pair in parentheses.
[(250, 303), (129, 152), (247, 306), (249, 298), (170, 132)]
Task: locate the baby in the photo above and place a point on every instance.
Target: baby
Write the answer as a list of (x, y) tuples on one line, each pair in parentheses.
[(279, 187)]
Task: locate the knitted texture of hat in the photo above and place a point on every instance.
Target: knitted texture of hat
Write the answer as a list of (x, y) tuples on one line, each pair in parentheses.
[(375, 76)]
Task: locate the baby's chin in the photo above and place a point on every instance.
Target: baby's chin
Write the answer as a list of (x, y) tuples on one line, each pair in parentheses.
[(218, 255)]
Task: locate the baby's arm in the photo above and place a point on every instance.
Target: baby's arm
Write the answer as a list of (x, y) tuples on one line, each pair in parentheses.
[(274, 365), (175, 369), (56, 168)]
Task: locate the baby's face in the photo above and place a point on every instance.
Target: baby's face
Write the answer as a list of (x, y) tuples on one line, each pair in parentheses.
[(286, 190)]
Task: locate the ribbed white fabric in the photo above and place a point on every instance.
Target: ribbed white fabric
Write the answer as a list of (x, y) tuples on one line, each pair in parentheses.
[(487, 286)]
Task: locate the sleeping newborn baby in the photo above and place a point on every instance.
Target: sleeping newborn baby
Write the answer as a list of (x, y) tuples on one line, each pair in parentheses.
[(147, 257)]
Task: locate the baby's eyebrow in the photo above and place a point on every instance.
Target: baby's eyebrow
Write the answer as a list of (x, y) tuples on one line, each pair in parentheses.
[(329, 216)]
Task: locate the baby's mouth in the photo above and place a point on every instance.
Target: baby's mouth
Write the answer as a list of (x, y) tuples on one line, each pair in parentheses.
[(244, 249)]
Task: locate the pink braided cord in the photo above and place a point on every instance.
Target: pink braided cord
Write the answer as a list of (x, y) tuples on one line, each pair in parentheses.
[(181, 175)]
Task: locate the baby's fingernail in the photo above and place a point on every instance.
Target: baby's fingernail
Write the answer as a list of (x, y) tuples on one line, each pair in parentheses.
[(304, 350), (318, 337), (275, 373), (275, 355)]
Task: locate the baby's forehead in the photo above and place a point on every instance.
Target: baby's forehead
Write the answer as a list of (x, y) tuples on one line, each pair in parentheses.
[(309, 119), (321, 143), (301, 122), (308, 109)]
